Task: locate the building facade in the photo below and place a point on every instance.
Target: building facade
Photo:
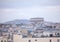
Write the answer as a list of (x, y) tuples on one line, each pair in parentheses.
[(3, 39), (18, 38)]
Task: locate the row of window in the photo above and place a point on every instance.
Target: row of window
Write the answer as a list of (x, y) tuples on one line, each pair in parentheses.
[(58, 40), (3, 41), (30, 40)]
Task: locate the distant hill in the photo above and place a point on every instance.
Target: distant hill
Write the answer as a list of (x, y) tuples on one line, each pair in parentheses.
[(17, 21)]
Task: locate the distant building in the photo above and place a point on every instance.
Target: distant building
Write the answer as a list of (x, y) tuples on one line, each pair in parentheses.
[(57, 25), (37, 20)]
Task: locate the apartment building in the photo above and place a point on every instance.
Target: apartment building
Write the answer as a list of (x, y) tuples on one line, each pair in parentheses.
[(3, 39), (18, 38)]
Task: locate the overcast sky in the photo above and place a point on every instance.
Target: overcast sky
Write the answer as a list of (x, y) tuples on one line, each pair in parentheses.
[(25, 9)]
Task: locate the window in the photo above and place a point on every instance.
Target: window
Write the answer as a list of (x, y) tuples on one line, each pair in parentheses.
[(4, 40), (58, 34), (58, 40), (51, 35), (29, 40), (35, 39), (50, 40), (1, 40)]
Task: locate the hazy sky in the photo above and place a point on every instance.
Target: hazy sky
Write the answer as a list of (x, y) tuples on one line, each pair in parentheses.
[(25, 9)]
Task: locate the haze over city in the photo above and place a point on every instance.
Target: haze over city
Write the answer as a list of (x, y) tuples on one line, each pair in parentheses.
[(29, 20), (26, 9)]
